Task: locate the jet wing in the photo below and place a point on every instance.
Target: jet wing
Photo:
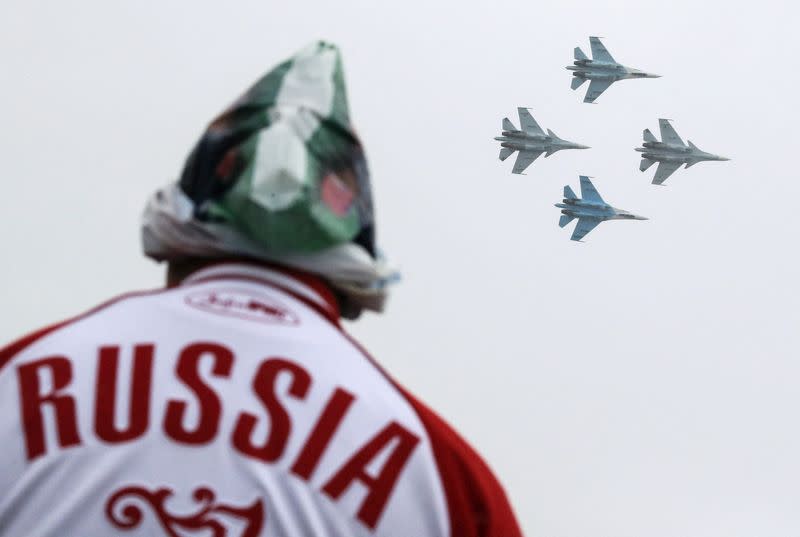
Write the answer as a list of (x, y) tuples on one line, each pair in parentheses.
[(596, 88), (589, 193), (583, 227), (664, 170), (599, 51), (529, 124), (524, 159), (668, 134)]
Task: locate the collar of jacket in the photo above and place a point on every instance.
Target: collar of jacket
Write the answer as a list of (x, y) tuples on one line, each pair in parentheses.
[(305, 287)]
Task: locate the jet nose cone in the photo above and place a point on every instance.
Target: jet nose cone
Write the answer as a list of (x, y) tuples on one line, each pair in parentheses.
[(637, 217), (573, 145), (723, 158)]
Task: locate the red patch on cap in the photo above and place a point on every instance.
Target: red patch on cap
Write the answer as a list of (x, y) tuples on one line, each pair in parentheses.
[(336, 195), (225, 166)]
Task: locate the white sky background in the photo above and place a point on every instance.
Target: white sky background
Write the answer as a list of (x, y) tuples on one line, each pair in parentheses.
[(641, 384)]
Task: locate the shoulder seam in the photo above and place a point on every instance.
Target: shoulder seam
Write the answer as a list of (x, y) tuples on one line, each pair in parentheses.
[(8, 352), (498, 519)]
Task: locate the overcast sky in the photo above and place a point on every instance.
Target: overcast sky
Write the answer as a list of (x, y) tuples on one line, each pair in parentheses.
[(643, 383)]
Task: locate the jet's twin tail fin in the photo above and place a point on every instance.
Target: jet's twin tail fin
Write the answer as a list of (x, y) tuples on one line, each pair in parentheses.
[(569, 194), (648, 136), (577, 82), (505, 152), (507, 125), (579, 55), (565, 219), (646, 163)]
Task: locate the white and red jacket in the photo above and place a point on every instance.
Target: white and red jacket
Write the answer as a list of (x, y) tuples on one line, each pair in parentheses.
[(232, 405)]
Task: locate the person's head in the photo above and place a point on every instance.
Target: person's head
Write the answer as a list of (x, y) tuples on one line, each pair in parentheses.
[(279, 176)]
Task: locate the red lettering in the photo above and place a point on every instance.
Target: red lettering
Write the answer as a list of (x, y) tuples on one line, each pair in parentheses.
[(106, 396), (31, 401), (321, 434), (280, 424), (210, 407), (380, 486)]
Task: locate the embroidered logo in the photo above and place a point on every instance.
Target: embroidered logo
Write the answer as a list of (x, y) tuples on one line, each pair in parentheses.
[(124, 510), (243, 304)]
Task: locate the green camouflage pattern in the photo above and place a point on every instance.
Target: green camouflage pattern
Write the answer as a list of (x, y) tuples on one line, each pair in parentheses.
[(282, 165)]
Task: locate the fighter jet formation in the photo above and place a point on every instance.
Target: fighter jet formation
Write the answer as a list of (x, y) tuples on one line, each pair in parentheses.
[(602, 70), (670, 153), (530, 142), (589, 209)]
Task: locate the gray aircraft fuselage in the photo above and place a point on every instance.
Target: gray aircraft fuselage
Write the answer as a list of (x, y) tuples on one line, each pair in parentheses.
[(594, 70), (577, 208), (671, 152), (661, 152), (522, 141), (590, 210)]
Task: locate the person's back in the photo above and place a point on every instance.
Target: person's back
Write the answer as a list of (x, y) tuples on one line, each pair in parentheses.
[(232, 403)]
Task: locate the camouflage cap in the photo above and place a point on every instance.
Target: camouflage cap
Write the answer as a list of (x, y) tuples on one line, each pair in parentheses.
[(282, 165)]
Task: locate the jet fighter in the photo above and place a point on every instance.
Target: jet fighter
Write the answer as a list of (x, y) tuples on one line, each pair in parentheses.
[(589, 209), (670, 152), (602, 70), (531, 141)]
